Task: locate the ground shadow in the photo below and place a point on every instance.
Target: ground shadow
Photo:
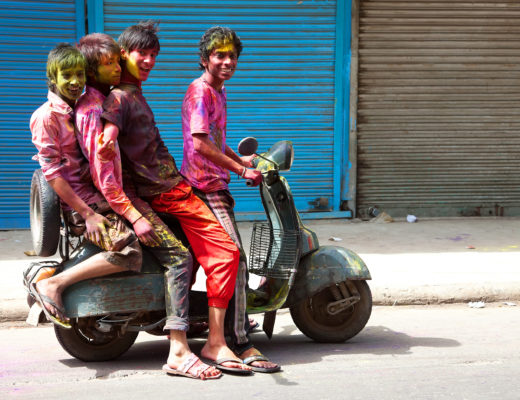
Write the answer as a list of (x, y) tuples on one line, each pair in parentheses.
[(288, 347)]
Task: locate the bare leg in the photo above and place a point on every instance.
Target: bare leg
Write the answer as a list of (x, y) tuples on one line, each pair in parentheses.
[(54, 286), (216, 346)]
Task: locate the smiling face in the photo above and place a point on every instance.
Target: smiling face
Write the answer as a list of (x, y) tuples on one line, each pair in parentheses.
[(109, 71), (69, 83), (221, 65), (139, 62)]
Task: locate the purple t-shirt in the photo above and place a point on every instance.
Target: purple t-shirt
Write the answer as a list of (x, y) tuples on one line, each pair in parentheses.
[(204, 111), (143, 153)]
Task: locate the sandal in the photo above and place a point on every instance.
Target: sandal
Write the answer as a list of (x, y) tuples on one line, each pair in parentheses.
[(41, 298), (192, 367)]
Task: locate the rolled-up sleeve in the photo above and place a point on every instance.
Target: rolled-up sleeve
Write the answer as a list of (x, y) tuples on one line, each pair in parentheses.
[(45, 136)]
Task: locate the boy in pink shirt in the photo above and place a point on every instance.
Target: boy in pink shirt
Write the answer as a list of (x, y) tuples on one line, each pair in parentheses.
[(67, 172), (207, 162)]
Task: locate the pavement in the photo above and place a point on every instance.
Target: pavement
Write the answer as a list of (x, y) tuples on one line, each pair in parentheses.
[(430, 261)]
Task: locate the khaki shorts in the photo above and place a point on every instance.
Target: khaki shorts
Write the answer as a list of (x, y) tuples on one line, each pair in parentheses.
[(125, 250)]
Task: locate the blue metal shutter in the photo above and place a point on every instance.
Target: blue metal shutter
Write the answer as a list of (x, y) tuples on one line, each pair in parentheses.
[(283, 87), (28, 30)]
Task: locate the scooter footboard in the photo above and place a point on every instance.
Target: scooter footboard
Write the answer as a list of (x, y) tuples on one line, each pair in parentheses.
[(326, 266), (115, 294)]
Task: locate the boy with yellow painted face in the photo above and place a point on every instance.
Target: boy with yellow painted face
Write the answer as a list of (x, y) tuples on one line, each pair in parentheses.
[(67, 171), (207, 162), (102, 150)]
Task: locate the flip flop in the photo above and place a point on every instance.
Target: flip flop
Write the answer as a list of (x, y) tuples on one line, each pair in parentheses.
[(41, 298), (189, 369), (260, 357), (218, 364)]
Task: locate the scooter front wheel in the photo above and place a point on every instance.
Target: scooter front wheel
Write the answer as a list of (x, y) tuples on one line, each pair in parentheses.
[(312, 316), (84, 342)]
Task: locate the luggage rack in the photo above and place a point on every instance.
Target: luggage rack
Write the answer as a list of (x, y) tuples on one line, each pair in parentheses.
[(273, 252)]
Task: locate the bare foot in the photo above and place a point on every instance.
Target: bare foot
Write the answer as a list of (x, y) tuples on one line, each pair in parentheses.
[(259, 364), (218, 351), (46, 288)]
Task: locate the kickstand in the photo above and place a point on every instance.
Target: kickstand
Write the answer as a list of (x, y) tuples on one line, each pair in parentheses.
[(268, 325)]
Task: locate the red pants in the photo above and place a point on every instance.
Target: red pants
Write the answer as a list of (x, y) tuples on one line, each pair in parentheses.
[(215, 251)]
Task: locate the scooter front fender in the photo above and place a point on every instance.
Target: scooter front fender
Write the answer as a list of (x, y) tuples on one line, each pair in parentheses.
[(326, 266)]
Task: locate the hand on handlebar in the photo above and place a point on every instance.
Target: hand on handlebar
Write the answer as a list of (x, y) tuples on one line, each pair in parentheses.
[(97, 233), (254, 176), (247, 161), (146, 232)]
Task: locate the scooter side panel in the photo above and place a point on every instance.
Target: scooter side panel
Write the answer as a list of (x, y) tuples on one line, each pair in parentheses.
[(115, 294), (326, 266)]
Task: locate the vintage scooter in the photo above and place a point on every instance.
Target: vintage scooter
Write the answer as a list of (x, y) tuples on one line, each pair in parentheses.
[(324, 287)]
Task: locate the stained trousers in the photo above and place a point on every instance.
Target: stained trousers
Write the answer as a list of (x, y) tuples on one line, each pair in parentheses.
[(211, 245), (237, 321)]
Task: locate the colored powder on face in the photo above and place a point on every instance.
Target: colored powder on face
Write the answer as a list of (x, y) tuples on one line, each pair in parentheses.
[(225, 48)]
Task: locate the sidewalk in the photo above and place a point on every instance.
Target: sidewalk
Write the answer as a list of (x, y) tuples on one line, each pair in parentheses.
[(430, 261)]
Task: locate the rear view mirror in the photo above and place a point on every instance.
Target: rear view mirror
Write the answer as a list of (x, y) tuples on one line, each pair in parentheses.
[(248, 146)]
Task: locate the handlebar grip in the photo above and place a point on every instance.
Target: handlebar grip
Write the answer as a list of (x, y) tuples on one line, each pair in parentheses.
[(249, 182)]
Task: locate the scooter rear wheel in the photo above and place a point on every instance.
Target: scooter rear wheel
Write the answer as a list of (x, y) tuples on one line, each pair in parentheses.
[(86, 343), (311, 316)]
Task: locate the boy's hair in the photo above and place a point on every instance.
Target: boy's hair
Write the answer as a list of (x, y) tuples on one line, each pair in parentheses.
[(95, 47), (63, 56), (217, 36), (142, 36)]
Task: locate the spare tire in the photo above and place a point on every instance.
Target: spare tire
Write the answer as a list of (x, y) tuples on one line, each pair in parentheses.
[(44, 216)]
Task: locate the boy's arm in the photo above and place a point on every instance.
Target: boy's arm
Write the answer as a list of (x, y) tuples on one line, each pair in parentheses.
[(45, 136), (245, 160), (204, 146), (103, 171), (95, 223)]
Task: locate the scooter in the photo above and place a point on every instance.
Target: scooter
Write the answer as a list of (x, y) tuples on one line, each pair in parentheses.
[(324, 287)]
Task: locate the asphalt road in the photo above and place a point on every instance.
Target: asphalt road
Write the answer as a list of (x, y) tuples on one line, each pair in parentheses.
[(406, 352)]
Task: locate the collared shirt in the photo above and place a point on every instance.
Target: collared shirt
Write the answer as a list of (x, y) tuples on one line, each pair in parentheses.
[(143, 152), (106, 171), (204, 111), (59, 154)]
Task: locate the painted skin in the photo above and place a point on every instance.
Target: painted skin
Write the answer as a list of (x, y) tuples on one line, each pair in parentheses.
[(221, 65), (140, 62), (109, 71), (70, 83)]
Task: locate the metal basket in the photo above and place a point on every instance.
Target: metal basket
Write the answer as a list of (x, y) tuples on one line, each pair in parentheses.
[(273, 253)]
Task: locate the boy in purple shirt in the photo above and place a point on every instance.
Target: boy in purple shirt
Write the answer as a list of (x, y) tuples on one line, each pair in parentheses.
[(67, 172), (207, 162)]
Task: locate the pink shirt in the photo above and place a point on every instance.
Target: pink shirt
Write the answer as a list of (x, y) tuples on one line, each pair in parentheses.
[(106, 172), (204, 111), (59, 154)]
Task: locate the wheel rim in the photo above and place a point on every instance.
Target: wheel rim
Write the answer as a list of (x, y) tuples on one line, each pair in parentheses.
[(316, 310), (86, 330)]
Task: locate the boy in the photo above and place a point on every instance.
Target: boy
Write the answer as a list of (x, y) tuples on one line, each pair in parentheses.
[(67, 172), (103, 71), (156, 178), (207, 162)]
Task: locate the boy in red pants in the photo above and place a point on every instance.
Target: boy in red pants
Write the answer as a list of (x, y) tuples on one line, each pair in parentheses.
[(103, 71), (129, 119)]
